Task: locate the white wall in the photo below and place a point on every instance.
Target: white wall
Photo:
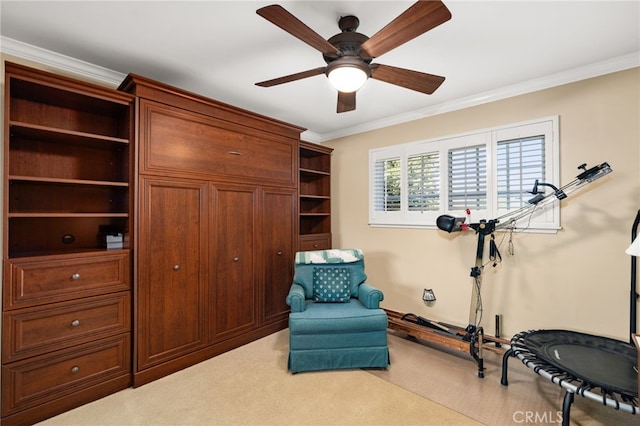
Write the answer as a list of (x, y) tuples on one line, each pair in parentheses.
[(577, 279)]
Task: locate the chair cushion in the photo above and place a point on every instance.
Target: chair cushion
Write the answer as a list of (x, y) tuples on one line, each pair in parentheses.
[(331, 284), (333, 318)]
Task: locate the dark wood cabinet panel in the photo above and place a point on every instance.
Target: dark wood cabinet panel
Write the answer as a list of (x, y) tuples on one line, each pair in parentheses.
[(233, 278), (180, 141), (172, 285), (311, 242), (47, 279), (278, 237), (43, 379), (29, 332)]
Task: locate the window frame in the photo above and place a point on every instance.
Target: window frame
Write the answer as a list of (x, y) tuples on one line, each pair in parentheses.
[(542, 220)]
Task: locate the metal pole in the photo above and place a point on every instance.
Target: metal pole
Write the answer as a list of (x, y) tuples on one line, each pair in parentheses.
[(634, 275), (476, 273)]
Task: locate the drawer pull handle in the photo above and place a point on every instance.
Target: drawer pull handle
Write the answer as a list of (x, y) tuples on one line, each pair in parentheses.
[(75, 369), (279, 253), (235, 153), (75, 276), (75, 323), (236, 259), (176, 267), (316, 246)]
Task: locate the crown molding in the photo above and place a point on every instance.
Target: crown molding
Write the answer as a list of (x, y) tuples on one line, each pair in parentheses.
[(597, 69), (45, 57), (309, 136)]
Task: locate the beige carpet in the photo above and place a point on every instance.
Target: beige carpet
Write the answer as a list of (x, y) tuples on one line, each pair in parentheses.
[(251, 386), (450, 378)]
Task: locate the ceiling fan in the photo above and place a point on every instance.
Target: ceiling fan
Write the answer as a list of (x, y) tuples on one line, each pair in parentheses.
[(349, 54)]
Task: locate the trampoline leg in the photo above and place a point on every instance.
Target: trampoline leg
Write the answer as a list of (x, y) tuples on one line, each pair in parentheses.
[(566, 408), (505, 366)]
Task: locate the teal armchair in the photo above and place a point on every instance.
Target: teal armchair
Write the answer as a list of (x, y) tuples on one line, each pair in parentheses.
[(336, 321)]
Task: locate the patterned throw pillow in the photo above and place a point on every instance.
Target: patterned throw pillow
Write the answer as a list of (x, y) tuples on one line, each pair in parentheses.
[(331, 284)]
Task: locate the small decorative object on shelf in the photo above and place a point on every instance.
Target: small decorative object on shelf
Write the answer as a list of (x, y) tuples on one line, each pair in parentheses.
[(111, 237)]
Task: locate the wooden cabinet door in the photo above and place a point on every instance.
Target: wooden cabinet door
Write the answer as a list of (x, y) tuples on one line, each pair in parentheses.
[(278, 240), (232, 276), (172, 276)]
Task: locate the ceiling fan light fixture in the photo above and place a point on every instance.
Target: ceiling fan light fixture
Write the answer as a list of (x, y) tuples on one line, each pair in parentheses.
[(348, 75)]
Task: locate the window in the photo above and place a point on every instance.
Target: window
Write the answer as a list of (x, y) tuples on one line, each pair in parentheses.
[(467, 173), (423, 182), (490, 172), (520, 163), (387, 185)]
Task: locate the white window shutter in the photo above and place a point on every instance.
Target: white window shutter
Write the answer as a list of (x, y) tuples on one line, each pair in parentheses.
[(423, 182), (467, 178), (386, 185), (519, 163)]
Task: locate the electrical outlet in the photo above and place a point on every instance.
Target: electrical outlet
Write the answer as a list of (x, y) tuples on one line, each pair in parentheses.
[(428, 295)]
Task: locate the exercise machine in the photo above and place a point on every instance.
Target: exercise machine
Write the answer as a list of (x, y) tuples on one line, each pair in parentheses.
[(472, 337)]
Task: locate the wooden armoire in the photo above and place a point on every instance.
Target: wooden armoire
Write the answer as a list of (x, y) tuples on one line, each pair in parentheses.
[(216, 225)]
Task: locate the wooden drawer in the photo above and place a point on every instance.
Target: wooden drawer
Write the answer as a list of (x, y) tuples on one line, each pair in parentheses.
[(315, 242), (29, 332), (53, 376), (48, 279), (178, 141)]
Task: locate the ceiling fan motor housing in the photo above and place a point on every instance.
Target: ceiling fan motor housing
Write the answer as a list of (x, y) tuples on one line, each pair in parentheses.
[(349, 41)]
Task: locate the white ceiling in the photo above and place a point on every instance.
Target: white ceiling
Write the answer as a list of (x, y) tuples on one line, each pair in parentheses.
[(220, 49)]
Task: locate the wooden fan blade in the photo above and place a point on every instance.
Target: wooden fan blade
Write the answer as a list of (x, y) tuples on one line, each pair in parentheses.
[(417, 20), (346, 102), (279, 16), (414, 80), (292, 77)]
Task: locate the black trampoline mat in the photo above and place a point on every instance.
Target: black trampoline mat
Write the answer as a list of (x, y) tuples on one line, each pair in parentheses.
[(599, 361)]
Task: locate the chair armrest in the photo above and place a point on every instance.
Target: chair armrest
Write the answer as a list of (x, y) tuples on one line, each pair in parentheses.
[(295, 298), (370, 296)]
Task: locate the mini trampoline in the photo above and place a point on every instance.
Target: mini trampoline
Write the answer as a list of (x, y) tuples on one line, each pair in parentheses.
[(593, 367)]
